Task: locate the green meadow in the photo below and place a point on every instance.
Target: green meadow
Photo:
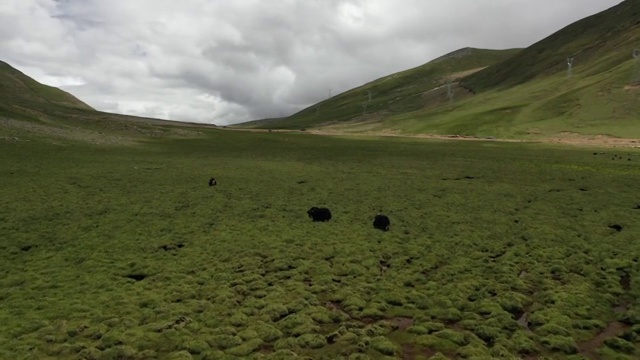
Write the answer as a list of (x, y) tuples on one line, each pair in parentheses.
[(496, 250)]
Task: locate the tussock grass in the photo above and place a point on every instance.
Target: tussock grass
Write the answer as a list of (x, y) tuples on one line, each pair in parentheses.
[(495, 249)]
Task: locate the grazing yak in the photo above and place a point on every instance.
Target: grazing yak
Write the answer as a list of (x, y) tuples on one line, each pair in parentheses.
[(319, 214), (212, 182), (381, 222)]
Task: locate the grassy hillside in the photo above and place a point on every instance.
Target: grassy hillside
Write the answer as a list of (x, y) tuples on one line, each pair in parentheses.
[(29, 109), (496, 250), (405, 91), (21, 95), (527, 95), (601, 42), (602, 103)]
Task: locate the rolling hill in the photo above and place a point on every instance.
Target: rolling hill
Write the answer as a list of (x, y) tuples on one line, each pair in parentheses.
[(516, 94), (21, 95), (597, 43), (30, 109), (398, 93)]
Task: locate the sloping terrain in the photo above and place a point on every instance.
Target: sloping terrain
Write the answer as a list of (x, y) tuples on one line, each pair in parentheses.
[(528, 94), (398, 93), (598, 43), (20, 94), (29, 108)]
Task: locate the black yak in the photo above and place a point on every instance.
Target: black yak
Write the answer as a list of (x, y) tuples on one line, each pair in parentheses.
[(212, 182), (319, 214), (381, 222)]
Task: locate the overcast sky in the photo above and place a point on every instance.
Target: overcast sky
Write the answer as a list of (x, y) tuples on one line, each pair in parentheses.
[(228, 61)]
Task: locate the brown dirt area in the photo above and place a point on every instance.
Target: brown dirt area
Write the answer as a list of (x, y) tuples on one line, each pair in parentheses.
[(565, 138), (589, 348), (462, 74)]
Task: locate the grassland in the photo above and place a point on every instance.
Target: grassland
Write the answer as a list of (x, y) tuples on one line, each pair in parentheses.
[(496, 250), (605, 103)]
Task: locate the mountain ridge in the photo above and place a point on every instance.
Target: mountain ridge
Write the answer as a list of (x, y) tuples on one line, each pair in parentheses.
[(530, 93), (395, 92)]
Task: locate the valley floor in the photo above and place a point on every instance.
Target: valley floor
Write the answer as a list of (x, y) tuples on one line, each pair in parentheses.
[(496, 250)]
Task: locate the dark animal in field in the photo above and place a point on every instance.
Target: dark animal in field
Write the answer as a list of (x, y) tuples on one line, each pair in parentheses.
[(381, 222), (319, 214), (213, 182), (616, 227)]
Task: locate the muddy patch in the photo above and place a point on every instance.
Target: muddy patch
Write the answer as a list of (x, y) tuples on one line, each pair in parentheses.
[(625, 281), (403, 323), (369, 320), (621, 309), (531, 357), (178, 323), (334, 305), (266, 349), (411, 352), (171, 247), (523, 321), (337, 306), (408, 352), (384, 266), (399, 323), (589, 348)]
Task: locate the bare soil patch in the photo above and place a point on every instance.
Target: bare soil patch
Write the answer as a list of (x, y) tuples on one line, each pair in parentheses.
[(589, 348), (411, 352), (462, 74), (403, 323), (625, 281), (523, 320), (565, 138), (593, 140), (408, 352)]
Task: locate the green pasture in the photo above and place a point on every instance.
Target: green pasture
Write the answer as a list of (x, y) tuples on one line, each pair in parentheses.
[(496, 250), (583, 104)]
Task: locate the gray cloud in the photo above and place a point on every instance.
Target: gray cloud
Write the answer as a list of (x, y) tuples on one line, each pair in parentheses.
[(224, 62)]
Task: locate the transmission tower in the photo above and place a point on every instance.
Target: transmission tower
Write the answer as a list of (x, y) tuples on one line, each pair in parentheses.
[(569, 67), (450, 91), (365, 104)]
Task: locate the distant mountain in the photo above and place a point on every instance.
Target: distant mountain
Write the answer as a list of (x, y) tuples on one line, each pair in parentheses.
[(527, 93), (401, 92), (21, 95), (29, 109)]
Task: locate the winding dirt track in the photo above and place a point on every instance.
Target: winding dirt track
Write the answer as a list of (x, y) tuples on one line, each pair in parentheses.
[(566, 138)]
